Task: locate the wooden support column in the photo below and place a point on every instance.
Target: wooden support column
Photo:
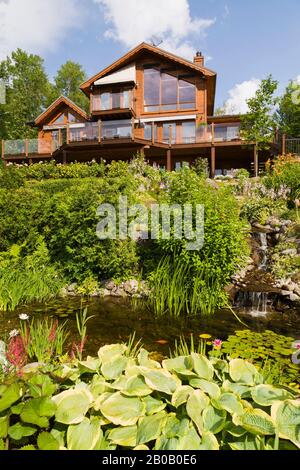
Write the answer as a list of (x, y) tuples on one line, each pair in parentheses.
[(64, 157), (132, 128), (170, 135), (3, 149), (213, 133), (153, 132), (213, 161), (283, 144), (68, 133), (256, 164), (99, 131), (26, 148), (169, 160)]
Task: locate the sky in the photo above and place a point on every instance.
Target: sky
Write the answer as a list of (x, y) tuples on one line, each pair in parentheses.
[(242, 40)]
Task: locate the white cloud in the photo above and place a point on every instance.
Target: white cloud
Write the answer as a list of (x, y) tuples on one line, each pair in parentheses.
[(36, 25), (297, 80), (135, 21), (238, 96)]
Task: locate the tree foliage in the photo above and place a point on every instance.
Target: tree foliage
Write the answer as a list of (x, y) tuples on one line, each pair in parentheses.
[(258, 125), (288, 114)]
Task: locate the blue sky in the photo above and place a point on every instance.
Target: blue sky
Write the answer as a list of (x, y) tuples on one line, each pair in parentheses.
[(244, 41)]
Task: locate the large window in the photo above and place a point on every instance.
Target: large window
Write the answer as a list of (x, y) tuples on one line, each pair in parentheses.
[(119, 99), (116, 129), (168, 129), (167, 90)]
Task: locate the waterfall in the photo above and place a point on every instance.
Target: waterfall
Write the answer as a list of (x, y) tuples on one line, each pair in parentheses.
[(263, 250), (254, 303)]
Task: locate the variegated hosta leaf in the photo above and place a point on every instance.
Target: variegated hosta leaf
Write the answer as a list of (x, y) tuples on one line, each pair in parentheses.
[(142, 447), (178, 363), (153, 405), (209, 442), (144, 361), (181, 395), (136, 387), (84, 436), (248, 442), (112, 369), (189, 441), (244, 372), (92, 364), (255, 421), (125, 436), (212, 389), (150, 427), (286, 416), (244, 391), (161, 380), (72, 405), (229, 402), (108, 353), (266, 395), (202, 366), (213, 420), (162, 443), (121, 410), (196, 403)]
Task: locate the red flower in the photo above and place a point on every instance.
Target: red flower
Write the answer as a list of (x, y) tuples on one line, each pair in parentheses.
[(16, 352)]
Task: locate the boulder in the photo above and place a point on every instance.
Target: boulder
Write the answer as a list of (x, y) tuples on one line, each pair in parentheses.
[(131, 287)]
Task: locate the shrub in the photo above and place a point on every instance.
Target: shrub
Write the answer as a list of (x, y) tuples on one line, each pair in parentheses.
[(285, 172), (115, 402)]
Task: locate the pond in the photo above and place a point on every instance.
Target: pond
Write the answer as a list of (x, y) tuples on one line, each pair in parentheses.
[(115, 320)]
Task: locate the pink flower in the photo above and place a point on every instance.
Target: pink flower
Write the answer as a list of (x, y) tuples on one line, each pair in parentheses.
[(217, 344)]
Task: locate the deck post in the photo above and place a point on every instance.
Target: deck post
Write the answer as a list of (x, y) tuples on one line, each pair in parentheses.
[(64, 157), (256, 163), (2, 149), (170, 136), (99, 131), (59, 138), (26, 148), (213, 161), (283, 144), (153, 132), (132, 128), (169, 160), (68, 133), (213, 133)]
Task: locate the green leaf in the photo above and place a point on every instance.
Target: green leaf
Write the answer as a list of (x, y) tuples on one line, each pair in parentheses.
[(230, 403), (247, 443), (266, 395), (150, 427), (20, 430), (162, 381), (212, 389), (46, 441), (121, 410), (153, 405), (181, 395), (209, 442), (89, 366), (84, 436), (196, 403), (244, 372), (9, 395), (125, 436), (286, 416), (30, 447), (37, 411), (4, 424), (190, 441), (72, 405), (2, 445), (256, 422), (213, 420), (112, 369), (41, 385), (109, 352), (144, 361), (17, 409), (202, 366), (136, 387), (177, 363)]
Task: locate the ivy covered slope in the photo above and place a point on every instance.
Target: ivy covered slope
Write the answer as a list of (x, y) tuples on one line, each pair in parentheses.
[(118, 401)]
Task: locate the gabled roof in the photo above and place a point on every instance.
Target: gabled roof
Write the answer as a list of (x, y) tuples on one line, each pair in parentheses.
[(131, 55), (61, 100)]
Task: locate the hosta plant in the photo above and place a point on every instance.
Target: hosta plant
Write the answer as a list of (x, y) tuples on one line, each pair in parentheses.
[(117, 401)]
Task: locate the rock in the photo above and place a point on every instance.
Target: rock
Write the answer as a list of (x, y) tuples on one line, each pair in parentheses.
[(289, 252), (118, 292), (64, 292), (105, 293), (109, 285), (294, 298), (262, 228), (285, 293), (131, 287), (72, 287)]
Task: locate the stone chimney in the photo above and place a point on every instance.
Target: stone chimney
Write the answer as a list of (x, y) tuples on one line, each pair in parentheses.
[(199, 59)]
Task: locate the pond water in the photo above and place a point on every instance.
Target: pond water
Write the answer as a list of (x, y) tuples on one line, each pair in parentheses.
[(115, 320)]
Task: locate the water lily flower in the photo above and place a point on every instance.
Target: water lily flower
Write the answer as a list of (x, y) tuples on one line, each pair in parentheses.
[(217, 343), (13, 334), (24, 317)]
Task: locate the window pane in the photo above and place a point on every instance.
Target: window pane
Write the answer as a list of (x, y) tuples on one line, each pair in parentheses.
[(60, 119), (188, 132), (113, 129), (116, 100), (187, 92), (152, 87), (105, 101), (152, 109), (126, 99), (148, 132), (169, 90), (96, 102), (72, 118), (166, 132)]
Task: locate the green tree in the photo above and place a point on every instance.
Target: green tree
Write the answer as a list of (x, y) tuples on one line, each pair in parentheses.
[(288, 114), (67, 82), (27, 86), (259, 124)]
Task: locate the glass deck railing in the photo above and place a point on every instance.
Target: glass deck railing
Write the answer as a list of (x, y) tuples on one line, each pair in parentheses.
[(26, 147)]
